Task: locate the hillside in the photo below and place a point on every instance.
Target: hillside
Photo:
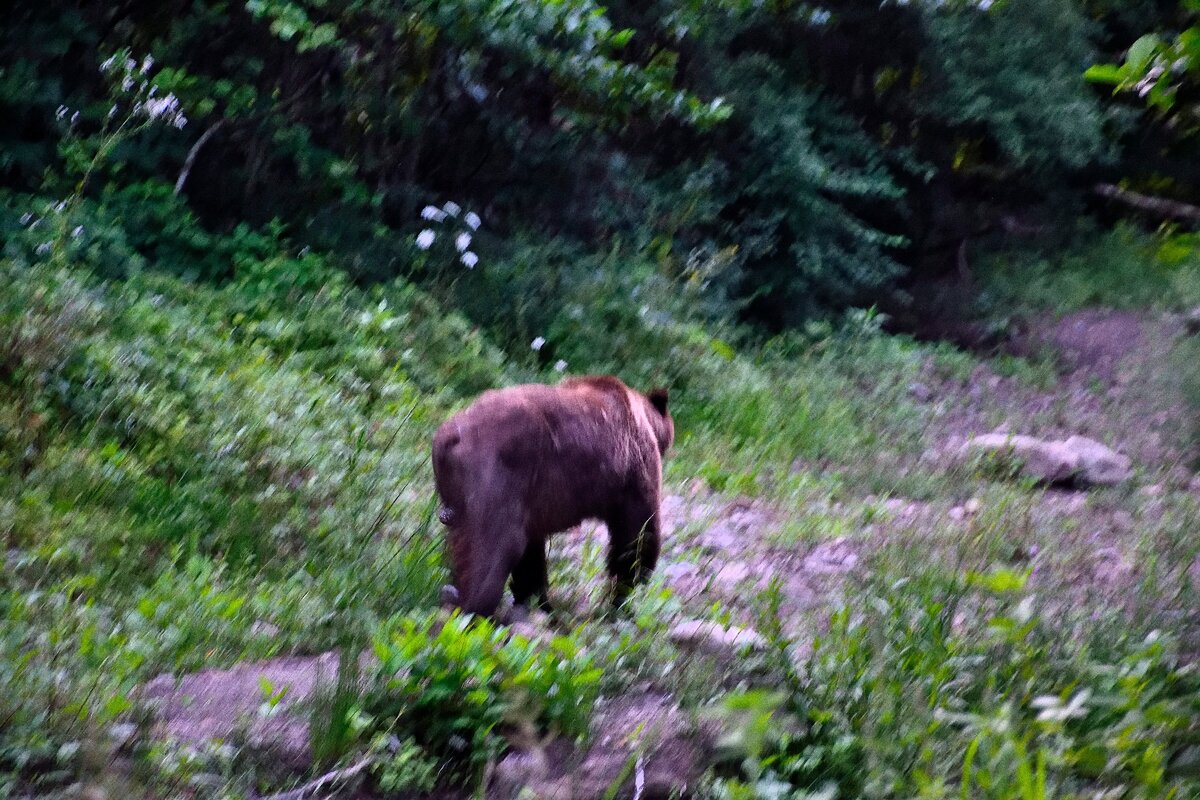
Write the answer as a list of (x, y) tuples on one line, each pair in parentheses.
[(203, 478)]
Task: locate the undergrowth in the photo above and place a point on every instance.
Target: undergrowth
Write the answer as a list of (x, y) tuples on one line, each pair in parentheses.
[(960, 684), (197, 475)]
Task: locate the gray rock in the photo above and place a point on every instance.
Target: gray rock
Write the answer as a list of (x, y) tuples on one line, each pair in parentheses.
[(1099, 465), (702, 634), (1077, 459), (1049, 462)]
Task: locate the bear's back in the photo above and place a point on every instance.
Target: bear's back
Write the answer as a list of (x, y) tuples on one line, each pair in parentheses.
[(587, 424)]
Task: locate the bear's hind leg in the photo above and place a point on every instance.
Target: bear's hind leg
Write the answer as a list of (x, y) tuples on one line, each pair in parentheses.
[(633, 548), (530, 580)]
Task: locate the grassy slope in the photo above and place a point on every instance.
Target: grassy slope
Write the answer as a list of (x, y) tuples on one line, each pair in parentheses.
[(195, 476)]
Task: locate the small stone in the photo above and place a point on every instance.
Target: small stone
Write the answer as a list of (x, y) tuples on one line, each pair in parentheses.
[(1153, 490), (973, 506), (958, 513), (831, 558), (122, 733), (713, 637), (920, 392), (264, 629), (1191, 321)]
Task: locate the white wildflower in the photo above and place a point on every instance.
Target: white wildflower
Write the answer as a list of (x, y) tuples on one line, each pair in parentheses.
[(130, 65), (433, 213), (469, 259), (560, 365), (538, 343), (61, 112), (26, 217), (425, 238), (147, 63), (472, 219), (112, 112), (43, 248), (180, 121), (76, 233), (452, 208), (108, 63), (159, 107), (60, 206), (75, 118), (462, 241), (127, 83)]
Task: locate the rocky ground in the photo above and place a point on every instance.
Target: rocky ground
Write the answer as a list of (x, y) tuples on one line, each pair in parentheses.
[(1081, 541)]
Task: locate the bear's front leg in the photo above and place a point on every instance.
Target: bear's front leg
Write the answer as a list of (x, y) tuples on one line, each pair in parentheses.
[(634, 545), (493, 557), (529, 578)]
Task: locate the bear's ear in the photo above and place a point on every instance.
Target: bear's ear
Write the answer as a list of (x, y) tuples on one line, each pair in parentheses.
[(658, 399)]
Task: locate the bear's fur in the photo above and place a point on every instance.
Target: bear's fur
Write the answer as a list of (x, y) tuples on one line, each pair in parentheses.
[(526, 462)]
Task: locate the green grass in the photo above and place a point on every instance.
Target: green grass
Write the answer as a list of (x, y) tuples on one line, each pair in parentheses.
[(1123, 268)]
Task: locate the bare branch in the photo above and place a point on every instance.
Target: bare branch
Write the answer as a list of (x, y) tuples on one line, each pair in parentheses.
[(322, 783), (190, 161), (1156, 205)]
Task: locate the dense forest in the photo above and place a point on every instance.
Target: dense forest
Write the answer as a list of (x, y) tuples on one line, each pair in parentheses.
[(253, 252), (770, 162)]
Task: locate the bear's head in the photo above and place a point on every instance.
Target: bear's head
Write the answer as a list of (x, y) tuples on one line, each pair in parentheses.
[(664, 426)]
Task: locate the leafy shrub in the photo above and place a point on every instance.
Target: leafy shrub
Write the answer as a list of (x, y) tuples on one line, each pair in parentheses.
[(936, 680), (195, 475), (453, 690)]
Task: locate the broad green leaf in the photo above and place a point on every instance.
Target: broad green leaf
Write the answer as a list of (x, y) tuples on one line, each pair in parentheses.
[(1140, 53), (1105, 73)]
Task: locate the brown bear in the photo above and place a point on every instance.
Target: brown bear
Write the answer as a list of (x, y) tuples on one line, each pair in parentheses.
[(526, 462)]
